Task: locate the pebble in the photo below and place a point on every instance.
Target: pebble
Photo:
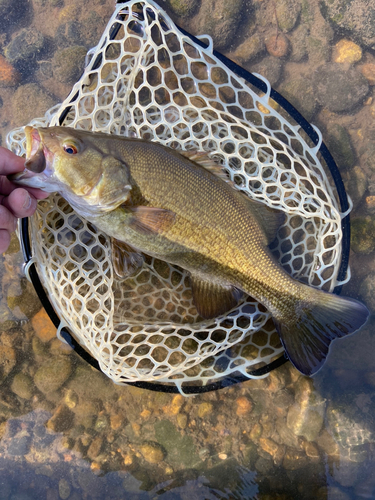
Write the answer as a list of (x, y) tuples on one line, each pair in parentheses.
[(339, 145), (152, 453), (278, 45), (368, 71), (244, 406), (8, 360), (44, 329), (23, 386), (64, 489), (52, 374), (250, 49), (294, 459), (346, 51), (339, 89), (68, 64), (183, 7), (219, 21), (62, 420), (182, 420), (9, 76), (19, 445), (205, 409), (39, 101), (95, 447), (287, 14), (362, 235), (24, 46)]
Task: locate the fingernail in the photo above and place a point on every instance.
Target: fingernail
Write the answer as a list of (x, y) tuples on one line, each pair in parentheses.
[(27, 202)]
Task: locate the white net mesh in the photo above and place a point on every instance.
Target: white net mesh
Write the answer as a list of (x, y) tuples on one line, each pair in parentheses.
[(153, 82)]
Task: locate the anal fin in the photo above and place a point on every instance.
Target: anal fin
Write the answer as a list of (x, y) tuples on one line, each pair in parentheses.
[(125, 259), (211, 299)]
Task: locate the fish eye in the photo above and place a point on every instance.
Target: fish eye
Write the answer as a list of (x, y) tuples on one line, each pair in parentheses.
[(71, 149)]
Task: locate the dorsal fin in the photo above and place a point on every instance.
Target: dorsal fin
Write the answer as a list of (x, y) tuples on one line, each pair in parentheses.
[(202, 158)]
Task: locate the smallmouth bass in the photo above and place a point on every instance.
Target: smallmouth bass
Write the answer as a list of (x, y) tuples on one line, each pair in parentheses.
[(179, 207)]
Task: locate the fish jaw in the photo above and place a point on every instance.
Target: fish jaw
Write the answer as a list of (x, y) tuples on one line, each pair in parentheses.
[(38, 171)]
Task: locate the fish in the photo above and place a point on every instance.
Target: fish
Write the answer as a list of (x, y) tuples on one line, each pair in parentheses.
[(181, 207)]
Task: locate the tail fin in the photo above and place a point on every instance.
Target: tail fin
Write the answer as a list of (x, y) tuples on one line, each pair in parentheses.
[(306, 340)]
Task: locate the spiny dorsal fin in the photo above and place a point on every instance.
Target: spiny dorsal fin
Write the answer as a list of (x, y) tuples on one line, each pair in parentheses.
[(125, 259), (202, 158), (211, 299)]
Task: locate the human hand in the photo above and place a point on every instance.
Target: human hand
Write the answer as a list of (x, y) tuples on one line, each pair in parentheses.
[(15, 202)]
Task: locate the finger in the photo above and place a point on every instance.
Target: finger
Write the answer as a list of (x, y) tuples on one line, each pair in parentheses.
[(6, 187), (20, 203), (10, 162), (4, 240), (7, 219)]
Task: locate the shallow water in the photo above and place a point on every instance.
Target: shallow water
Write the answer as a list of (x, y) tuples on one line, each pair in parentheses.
[(68, 432)]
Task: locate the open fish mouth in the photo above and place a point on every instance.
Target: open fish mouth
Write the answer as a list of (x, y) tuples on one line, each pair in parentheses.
[(38, 158), (35, 157)]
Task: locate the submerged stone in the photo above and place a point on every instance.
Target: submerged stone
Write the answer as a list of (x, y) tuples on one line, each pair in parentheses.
[(53, 373), (68, 64), (38, 102), (25, 45), (363, 235), (220, 19), (152, 452), (287, 13), (23, 386), (183, 7), (339, 144), (339, 89)]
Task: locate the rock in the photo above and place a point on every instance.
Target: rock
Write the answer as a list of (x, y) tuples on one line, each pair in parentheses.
[(44, 329), (339, 89), (8, 361), (183, 8), (300, 94), (362, 238), (368, 71), (68, 64), (287, 13), (20, 444), (52, 374), (356, 17), (38, 102), (152, 452), (219, 19), (294, 459), (356, 183), (244, 406), (62, 420), (10, 11), (9, 76), (27, 301), (346, 51), (278, 45), (95, 447), (339, 144), (91, 385), (252, 48), (179, 447), (24, 46), (68, 33), (23, 386), (205, 409), (298, 45), (64, 489), (269, 67)]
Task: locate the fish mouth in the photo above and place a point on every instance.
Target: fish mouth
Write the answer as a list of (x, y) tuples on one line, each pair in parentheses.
[(38, 155), (35, 157)]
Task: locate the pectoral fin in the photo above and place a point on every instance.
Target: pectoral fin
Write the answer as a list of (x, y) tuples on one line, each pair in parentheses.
[(125, 259), (150, 220), (211, 299)]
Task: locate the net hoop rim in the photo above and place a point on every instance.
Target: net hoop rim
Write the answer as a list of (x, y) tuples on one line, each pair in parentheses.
[(309, 129)]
